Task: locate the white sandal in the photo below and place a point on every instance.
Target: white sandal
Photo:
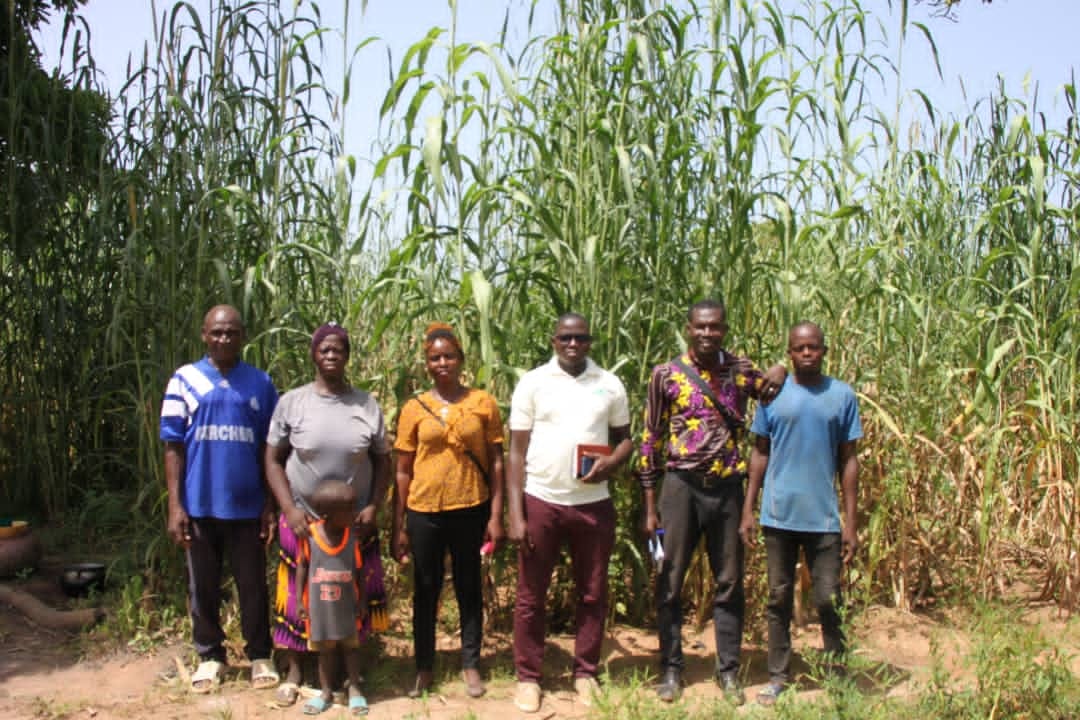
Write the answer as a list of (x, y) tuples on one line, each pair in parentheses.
[(287, 694), (207, 676), (263, 674)]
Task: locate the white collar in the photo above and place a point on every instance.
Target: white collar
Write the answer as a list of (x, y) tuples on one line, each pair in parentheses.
[(554, 368)]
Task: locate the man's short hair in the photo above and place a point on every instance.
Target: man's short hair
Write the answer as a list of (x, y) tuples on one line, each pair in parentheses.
[(568, 316), (808, 324), (705, 304), (223, 308)]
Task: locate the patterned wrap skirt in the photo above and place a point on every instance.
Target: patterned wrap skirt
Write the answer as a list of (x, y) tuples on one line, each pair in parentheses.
[(288, 631)]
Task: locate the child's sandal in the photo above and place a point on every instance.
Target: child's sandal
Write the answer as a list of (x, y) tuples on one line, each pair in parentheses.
[(316, 705), (358, 705)]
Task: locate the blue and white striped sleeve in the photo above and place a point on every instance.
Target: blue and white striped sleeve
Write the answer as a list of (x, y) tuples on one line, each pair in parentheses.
[(175, 417)]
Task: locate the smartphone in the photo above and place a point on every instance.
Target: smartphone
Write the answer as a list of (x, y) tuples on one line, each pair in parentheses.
[(656, 546), (585, 466)]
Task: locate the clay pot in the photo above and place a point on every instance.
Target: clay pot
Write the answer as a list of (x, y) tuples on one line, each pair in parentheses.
[(13, 528), (19, 553)]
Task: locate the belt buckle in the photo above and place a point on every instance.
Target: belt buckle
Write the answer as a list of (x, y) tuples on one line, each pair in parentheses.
[(706, 481)]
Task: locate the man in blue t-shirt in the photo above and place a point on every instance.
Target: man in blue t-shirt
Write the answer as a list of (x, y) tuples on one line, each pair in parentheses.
[(214, 420), (804, 438)]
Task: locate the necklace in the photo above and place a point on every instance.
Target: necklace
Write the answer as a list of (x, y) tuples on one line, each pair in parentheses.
[(444, 411), (457, 395)]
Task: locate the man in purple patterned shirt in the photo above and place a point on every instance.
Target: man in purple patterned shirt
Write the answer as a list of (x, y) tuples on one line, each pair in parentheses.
[(703, 484)]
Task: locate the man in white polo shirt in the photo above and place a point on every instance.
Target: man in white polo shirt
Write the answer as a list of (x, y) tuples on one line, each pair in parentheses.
[(553, 497)]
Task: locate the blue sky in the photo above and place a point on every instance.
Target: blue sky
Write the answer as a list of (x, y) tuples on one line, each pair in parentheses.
[(1028, 42), (1024, 41)]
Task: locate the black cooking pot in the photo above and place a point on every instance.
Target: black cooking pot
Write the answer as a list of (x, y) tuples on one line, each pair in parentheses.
[(78, 579)]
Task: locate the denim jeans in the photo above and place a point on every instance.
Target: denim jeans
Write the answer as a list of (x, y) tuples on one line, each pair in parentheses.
[(824, 561), (688, 511)]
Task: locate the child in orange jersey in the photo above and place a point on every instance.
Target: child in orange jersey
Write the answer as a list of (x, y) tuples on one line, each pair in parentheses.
[(329, 580)]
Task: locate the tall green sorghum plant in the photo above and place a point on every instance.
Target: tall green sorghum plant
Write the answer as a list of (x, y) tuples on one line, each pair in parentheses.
[(628, 159), (54, 423)]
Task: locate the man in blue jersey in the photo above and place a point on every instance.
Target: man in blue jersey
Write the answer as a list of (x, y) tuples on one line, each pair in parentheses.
[(214, 421), (804, 438)]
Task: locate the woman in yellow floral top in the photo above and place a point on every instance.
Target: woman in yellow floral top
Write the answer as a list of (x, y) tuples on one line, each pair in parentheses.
[(449, 497)]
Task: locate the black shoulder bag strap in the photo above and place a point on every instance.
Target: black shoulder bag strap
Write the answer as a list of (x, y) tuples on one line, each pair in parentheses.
[(703, 386), (476, 460)]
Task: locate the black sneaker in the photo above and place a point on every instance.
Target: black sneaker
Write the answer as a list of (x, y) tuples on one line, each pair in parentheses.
[(729, 683), (670, 687), (769, 694)]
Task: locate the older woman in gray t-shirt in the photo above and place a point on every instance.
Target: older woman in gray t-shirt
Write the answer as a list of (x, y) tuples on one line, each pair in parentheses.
[(325, 430)]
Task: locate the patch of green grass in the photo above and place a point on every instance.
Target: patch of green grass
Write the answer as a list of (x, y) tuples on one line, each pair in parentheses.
[(1018, 673), (138, 618), (52, 709)]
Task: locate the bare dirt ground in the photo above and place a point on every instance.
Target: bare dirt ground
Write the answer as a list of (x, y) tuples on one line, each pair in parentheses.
[(45, 674)]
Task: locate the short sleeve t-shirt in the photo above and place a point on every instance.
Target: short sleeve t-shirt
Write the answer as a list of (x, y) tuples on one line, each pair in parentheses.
[(221, 420), (331, 437), (805, 426), (444, 476), (563, 411)]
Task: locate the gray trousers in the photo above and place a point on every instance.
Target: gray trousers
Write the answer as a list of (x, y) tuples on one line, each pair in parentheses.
[(688, 511)]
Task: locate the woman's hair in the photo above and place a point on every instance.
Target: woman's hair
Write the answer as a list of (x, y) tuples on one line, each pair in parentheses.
[(441, 331), (325, 331)]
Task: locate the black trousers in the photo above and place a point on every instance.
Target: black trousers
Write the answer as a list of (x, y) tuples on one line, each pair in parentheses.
[(688, 511), (430, 536), (213, 541), (823, 558)]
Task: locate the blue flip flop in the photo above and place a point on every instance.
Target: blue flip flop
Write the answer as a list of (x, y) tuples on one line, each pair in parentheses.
[(358, 705), (316, 705)]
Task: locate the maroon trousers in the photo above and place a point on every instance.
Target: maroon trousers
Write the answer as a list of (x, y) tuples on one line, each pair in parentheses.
[(589, 532)]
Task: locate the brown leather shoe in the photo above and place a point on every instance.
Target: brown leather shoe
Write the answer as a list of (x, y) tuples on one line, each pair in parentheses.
[(474, 684), (424, 680)]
